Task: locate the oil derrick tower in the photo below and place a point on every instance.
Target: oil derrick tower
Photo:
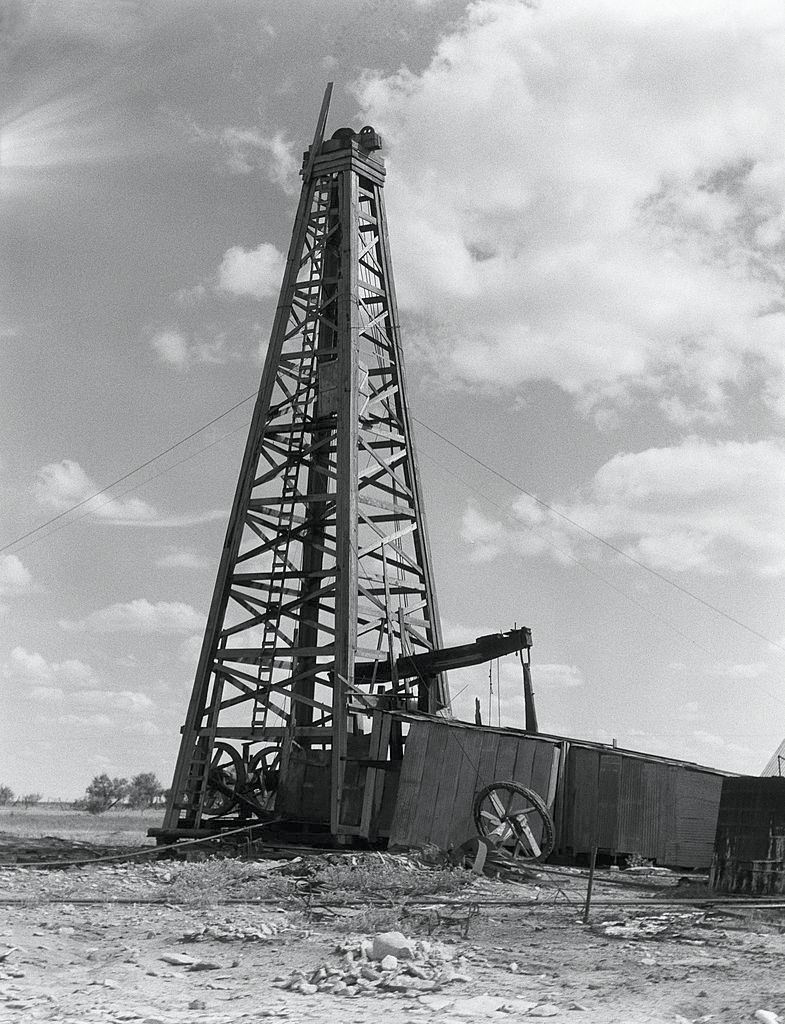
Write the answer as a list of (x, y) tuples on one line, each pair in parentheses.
[(324, 586)]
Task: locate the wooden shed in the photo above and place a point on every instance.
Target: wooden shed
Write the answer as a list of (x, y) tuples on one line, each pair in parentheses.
[(749, 853), (624, 801)]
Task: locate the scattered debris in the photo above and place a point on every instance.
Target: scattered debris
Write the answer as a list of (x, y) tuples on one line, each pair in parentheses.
[(681, 926), (371, 965), (438, 916), (483, 856), (131, 964), (263, 932), (647, 869)]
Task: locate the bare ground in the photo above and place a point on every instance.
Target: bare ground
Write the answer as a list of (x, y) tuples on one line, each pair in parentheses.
[(90, 944)]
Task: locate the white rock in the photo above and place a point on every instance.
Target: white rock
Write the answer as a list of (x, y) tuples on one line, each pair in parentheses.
[(767, 1017), (476, 1007), (389, 962), (544, 1010), (392, 944), (178, 959)]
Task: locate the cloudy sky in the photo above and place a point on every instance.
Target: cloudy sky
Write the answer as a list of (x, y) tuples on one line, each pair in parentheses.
[(586, 211)]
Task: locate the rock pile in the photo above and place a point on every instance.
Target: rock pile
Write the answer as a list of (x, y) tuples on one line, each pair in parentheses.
[(388, 962), (262, 932)]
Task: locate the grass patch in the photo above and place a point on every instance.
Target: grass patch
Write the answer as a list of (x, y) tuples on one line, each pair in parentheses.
[(216, 879), (115, 828), (386, 885), (371, 875)]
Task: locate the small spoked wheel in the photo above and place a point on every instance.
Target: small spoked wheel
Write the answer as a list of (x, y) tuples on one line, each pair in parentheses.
[(224, 777), (263, 771), (515, 819)]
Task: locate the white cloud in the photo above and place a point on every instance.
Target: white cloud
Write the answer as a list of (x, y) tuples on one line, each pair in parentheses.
[(14, 576), (253, 272), (709, 507), (247, 149), (207, 345), (94, 721), (178, 558), (171, 346), (45, 678), (127, 701), (591, 194), (483, 535), (118, 700), (140, 616), (190, 649), (59, 486)]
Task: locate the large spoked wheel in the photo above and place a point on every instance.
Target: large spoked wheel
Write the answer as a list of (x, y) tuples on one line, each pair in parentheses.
[(262, 780), (515, 819), (225, 776)]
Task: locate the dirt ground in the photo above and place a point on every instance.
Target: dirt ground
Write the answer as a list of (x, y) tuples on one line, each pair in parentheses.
[(215, 941)]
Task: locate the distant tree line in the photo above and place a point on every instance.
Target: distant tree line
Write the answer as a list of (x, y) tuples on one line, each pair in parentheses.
[(142, 791), (7, 796), (103, 793)]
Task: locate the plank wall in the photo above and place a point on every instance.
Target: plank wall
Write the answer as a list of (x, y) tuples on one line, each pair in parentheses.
[(446, 764)]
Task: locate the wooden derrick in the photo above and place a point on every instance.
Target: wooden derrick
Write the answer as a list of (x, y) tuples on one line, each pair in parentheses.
[(325, 579)]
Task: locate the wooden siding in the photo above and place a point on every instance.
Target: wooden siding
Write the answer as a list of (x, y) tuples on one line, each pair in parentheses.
[(749, 854), (630, 804), (622, 801), (581, 803), (608, 803), (697, 802), (446, 764)]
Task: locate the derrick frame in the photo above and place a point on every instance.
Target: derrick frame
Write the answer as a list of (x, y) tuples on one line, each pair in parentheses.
[(326, 562)]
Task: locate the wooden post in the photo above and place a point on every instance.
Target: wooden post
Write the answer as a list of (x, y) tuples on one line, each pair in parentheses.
[(590, 885)]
